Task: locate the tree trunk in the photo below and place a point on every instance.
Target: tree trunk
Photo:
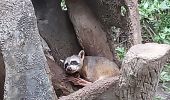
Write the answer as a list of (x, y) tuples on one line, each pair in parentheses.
[(2, 76), (133, 19), (121, 15), (60, 84), (141, 69), (25, 64), (56, 29), (108, 12), (90, 34)]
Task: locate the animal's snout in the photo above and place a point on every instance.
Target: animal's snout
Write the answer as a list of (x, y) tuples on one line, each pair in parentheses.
[(69, 69)]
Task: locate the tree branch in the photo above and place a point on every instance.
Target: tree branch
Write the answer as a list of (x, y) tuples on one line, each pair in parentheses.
[(133, 24), (89, 32)]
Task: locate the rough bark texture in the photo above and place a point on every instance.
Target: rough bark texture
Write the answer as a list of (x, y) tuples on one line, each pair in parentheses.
[(88, 29), (25, 64), (2, 76), (55, 27), (94, 90), (57, 74), (110, 14), (139, 80), (60, 84), (141, 70), (133, 19)]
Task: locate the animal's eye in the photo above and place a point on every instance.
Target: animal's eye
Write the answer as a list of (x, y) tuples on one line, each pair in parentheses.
[(74, 63), (65, 65)]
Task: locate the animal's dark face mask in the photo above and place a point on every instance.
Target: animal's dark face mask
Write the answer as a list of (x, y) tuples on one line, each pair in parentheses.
[(72, 64)]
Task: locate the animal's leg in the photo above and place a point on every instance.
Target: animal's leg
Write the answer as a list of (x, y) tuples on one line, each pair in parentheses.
[(79, 81)]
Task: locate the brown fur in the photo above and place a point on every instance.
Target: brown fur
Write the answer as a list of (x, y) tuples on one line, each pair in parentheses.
[(91, 68), (95, 68)]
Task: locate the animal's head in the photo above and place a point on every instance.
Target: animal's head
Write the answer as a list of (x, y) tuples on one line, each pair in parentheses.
[(74, 63)]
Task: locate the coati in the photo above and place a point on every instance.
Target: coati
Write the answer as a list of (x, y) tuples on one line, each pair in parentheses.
[(91, 68)]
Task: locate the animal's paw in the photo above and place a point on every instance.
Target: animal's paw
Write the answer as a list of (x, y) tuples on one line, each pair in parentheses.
[(78, 81)]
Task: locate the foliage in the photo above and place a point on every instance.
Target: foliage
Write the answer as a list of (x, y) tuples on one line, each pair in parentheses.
[(158, 98), (155, 19), (165, 77), (120, 52), (63, 5), (156, 13)]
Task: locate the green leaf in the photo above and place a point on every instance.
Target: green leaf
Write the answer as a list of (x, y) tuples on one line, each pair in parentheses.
[(164, 5), (146, 4), (162, 36), (166, 29)]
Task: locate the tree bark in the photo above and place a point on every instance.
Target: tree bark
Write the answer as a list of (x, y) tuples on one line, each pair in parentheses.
[(121, 15), (56, 29), (61, 86), (133, 26), (25, 64), (2, 76), (141, 71), (89, 32), (94, 90), (108, 12), (59, 82), (139, 79)]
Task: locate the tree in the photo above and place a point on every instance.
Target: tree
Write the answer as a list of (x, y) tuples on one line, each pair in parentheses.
[(26, 67), (91, 23), (2, 76)]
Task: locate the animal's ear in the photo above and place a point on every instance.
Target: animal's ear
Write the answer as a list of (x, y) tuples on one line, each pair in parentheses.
[(81, 54), (61, 60)]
